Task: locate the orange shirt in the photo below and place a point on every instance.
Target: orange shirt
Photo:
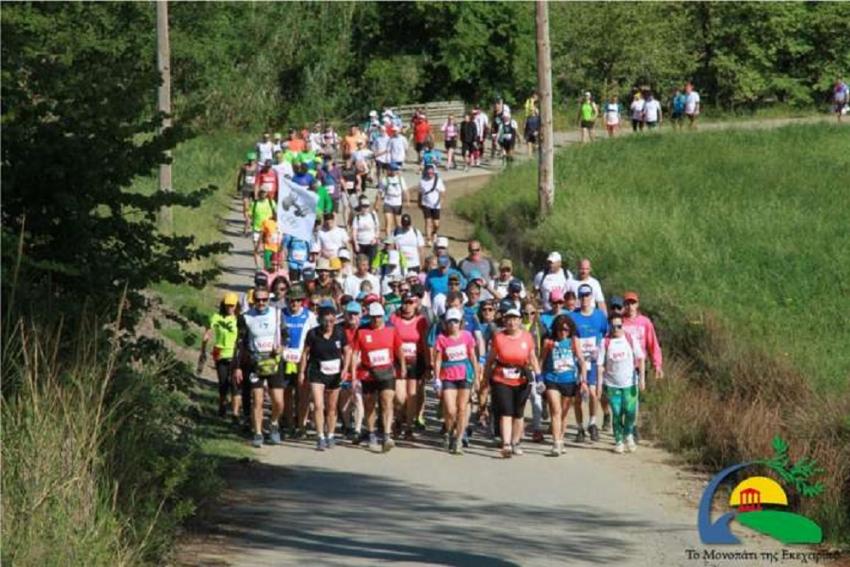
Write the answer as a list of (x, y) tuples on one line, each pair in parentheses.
[(296, 145), (512, 352), (271, 237)]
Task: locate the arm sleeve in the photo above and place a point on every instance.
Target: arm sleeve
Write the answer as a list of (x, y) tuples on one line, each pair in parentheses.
[(653, 346)]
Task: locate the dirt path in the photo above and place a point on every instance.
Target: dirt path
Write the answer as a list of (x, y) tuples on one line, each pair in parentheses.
[(418, 505)]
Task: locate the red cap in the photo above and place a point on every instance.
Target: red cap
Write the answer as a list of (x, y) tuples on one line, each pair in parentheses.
[(631, 296), (556, 295), (371, 298)]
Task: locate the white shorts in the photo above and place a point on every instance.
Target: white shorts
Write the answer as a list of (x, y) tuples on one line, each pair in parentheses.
[(256, 236)]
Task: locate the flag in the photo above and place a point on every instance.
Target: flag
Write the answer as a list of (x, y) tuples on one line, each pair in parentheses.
[(296, 210)]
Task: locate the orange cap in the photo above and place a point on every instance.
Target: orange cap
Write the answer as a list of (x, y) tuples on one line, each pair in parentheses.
[(631, 296)]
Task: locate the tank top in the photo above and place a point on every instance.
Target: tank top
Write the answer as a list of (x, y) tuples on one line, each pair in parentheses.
[(412, 334), (224, 327), (248, 177), (513, 354), (263, 331), (587, 111), (560, 363)]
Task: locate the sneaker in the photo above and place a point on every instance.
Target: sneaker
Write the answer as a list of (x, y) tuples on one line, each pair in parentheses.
[(274, 435), (388, 444), (373, 443), (537, 437), (606, 422), (458, 450), (447, 442), (321, 444), (359, 437), (331, 442), (581, 436), (452, 444), (555, 451), (563, 448), (419, 425), (464, 441), (258, 440), (506, 452), (630, 443), (516, 450), (618, 448), (594, 432), (299, 433), (635, 435)]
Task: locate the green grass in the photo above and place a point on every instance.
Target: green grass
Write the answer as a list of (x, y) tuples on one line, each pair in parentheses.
[(748, 226)]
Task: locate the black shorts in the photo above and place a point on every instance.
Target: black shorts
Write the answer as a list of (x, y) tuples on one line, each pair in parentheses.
[(451, 144), (419, 146), (276, 380), (568, 390), (652, 125), (381, 166), (456, 385), (392, 210), (467, 148), (415, 371), (507, 144), (431, 213), (377, 386), (330, 382), (509, 400), (587, 124), (677, 115), (531, 137)]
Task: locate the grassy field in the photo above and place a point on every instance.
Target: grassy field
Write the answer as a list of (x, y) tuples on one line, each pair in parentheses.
[(746, 226), (738, 244)]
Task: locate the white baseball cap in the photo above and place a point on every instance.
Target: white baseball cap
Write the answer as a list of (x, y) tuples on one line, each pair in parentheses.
[(442, 242), (454, 314), (554, 257), (344, 254), (376, 309)]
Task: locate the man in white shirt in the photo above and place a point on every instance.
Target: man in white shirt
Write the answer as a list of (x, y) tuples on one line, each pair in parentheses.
[(553, 277), (584, 277), (482, 123), (652, 112), (431, 189), (396, 146), (331, 238), (410, 242), (691, 105), (382, 156), (265, 148), (392, 190), (351, 285), (282, 168)]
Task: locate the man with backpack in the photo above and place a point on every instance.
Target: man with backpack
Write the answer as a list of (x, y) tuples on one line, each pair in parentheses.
[(677, 108), (431, 189)]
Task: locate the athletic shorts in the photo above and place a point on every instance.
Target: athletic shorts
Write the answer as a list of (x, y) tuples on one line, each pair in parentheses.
[(381, 166), (509, 400), (451, 144), (419, 146), (431, 213), (277, 380), (255, 236), (330, 382), (531, 137), (377, 386), (587, 124), (415, 371), (677, 115), (467, 147), (591, 380), (392, 210), (566, 389), (507, 144), (456, 385), (652, 125), (247, 192)]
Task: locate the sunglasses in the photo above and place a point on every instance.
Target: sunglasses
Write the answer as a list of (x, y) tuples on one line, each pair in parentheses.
[(620, 326), (631, 302), (504, 269), (530, 313), (410, 302), (261, 300), (487, 309), (475, 249)]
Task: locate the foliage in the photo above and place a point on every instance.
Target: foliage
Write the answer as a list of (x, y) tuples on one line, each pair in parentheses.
[(78, 128), (796, 474)]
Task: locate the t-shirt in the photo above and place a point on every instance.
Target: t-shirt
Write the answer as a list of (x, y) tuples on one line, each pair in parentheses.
[(297, 251), (225, 333), (482, 123), (330, 241), (679, 103), (642, 330), (546, 282), (594, 284), (326, 354), (351, 285), (297, 326), (397, 149), (637, 109), (380, 145), (431, 191), (513, 353), (691, 102), (455, 354), (412, 333), (367, 227), (652, 110), (612, 113), (392, 190), (449, 131), (421, 131), (483, 265), (620, 356), (260, 212), (560, 364), (263, 330), (265, 151), (377, 348), (271, 236), (409, 242), (591, 329)]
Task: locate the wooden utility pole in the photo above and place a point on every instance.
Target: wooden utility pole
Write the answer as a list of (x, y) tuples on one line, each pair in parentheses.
[(546, 161), (163, 65)]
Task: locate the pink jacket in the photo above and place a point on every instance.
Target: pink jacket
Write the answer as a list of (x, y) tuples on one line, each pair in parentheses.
[(642, 329)]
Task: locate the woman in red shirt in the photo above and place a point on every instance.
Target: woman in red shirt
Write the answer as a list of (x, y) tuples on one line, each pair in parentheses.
[(421, 133), (412, 328), (377, 351), (509, 365)]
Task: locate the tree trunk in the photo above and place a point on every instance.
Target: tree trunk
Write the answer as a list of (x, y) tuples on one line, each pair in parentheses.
[(546, 163), (163, 65)]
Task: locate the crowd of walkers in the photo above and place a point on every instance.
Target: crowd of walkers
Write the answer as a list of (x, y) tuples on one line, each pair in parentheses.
[(348, 335)]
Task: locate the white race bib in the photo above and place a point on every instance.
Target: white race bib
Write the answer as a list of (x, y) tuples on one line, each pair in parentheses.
[(511, 373), (291, 354), (329, 367), (249, 179), (588, 347), (380, 357), (562, 362), (456, 353), (299, 255), (264, 344), (409, 350)]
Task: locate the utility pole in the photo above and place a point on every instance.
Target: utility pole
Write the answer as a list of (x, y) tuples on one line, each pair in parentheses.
[(163, 65), (546, 161)]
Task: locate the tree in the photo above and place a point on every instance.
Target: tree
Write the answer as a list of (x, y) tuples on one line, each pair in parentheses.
[(79, 126)]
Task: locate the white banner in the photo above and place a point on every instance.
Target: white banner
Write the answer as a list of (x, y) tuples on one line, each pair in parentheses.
[(296, 210)]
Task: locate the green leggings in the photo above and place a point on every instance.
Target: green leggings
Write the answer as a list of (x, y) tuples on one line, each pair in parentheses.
[(623, 409)]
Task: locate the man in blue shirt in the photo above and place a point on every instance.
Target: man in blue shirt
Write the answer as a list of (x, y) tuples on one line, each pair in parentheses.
[(437, 281), (592, 326)]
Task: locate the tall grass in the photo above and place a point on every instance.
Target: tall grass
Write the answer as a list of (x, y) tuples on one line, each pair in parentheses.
[(737, 242)]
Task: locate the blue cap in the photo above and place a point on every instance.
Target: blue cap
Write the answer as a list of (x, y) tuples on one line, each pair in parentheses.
[(616, 301), (584, 289), (515, 285), (506, 305), (327, 303), (444, 261), (353, 307)]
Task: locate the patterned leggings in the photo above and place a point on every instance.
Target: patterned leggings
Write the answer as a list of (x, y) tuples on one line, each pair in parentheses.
[(623, 409)]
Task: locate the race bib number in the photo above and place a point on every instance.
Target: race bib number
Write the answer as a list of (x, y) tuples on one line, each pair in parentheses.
[(253, 377), (249, 179), (299, 255), (588, 347), (267, 187), (511, 373), (380, 357), (562, 362), (349, 185), (507, 137), (265, 344), (329, 367), (456, 353), (409, 350), (291, 355)]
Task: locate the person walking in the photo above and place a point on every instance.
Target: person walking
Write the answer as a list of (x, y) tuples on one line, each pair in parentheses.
[(612, 115), (623, 371), (223, 330), (652, 115), (451, 132), (561, 357), (692, 105), (468, 140), (636, 111), (431, 190), (587, 114)]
